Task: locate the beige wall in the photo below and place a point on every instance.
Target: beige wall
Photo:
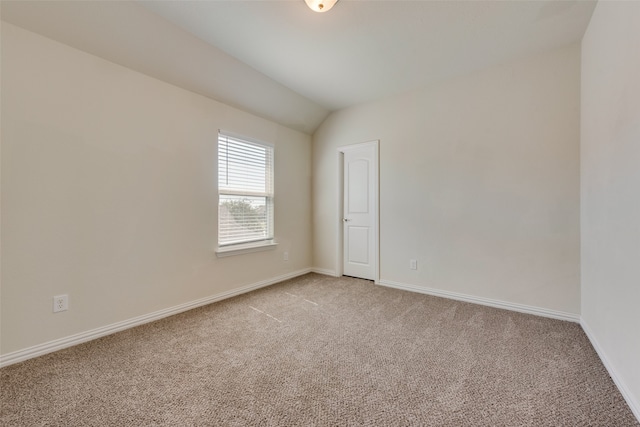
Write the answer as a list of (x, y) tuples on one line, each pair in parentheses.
[(610, 169), (109, 193), (479, 181)]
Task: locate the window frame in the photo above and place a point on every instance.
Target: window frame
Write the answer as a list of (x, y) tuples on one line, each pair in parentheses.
[(247, 246)]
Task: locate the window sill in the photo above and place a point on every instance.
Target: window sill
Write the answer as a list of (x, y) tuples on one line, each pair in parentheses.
[(246, 248)]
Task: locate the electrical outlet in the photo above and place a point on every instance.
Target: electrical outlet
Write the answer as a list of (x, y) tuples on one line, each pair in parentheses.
[(413, 264), (60, 303), (286, 256)]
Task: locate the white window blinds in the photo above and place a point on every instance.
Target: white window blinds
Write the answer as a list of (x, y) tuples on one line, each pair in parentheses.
[(245, 190)]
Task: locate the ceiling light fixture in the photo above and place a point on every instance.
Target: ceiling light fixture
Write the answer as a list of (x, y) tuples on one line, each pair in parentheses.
[(320, 5)]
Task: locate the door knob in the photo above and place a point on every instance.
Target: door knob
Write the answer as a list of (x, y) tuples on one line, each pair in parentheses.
[(345, 220)]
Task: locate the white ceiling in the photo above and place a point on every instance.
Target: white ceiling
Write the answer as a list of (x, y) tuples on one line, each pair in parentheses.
[(363, 50), (291, 65)]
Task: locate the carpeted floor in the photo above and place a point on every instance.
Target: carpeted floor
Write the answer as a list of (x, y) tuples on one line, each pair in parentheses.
[(321, 351)]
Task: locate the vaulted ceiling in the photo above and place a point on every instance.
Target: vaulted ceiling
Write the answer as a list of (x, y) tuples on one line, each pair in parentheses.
[(281, 61)]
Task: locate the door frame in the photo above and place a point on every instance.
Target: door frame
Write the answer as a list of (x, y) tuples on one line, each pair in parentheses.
[(340, 211)]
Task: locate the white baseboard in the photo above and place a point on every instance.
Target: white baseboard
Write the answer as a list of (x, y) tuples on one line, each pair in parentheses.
[(324, 271), (521, 308), (624, 390), (59, 344)]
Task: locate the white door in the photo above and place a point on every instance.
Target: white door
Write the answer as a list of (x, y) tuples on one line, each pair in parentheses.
[(360, 211)]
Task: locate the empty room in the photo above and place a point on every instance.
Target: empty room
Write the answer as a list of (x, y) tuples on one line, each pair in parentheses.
[(320, 213)]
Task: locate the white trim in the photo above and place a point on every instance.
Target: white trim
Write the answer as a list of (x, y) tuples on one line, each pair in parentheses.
[(325, 272), (344, 148), (245, 138), (521, 308), (340, 211), (617, 379), (245, 248), (61, 343)]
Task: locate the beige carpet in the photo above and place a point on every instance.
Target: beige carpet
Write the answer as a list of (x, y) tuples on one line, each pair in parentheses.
[(323, 351)]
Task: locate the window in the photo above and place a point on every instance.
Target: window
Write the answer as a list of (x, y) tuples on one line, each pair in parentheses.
[(245, 193)]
